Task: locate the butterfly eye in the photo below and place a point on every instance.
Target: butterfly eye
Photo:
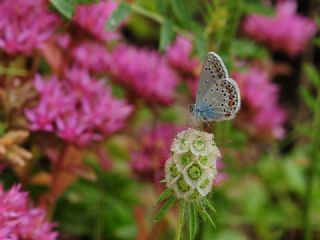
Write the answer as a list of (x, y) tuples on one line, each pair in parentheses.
[(191, 109)]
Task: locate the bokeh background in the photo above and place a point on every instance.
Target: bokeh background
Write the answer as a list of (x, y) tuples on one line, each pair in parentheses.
[(93, 92)]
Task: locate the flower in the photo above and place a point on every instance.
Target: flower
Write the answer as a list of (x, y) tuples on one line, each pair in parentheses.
[(20, 220), (261, 114), (20, 28), (79, 110), (92, 56), (179, 53), (286, 31), (94, 17), (148, 162), (187, 67), (191, 173), (145, 72)]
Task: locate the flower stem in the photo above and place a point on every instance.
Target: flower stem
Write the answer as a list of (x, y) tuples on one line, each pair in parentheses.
[(312, 171), (181, 220)]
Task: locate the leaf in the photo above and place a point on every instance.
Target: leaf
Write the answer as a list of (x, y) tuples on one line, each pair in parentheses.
[(209, 205), (193, 223), (64, 7), (316, 41), (181, 11), (308, 99), (165, 208), (312, 74), (164, 195), (118, 16), (182, 207), (204, 214), (165, 35)]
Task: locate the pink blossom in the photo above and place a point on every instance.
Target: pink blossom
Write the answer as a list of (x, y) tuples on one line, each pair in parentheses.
[(286, 31), (179, 55), (187, 67), (261, 114), (146, 73), (93, 18), (20, 220), (25, 25), (221, 176), (148, 163), (79, 109), (92, 56)]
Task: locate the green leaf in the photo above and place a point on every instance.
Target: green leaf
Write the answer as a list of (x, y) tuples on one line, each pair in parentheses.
[(181, 11), (118, 16), (64, 7), (182, 207), (164, 195), (312, 74), (193, 223), (166, 34), (248, 49), (294, 176), (209, 205), (308, 99), (165, 208), (316, 41), (204, 214)]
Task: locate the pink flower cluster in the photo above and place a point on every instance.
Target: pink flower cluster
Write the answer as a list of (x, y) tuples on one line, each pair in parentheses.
[(19, 220), (92, 56), (79, 109), (93, 19), (286, 31), (148, 163), (179, 57), (261, 114), (25, 25), (146, 73)]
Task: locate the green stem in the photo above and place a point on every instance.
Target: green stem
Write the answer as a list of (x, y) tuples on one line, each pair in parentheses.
[(156, 17), (181, 220), (312, 172)]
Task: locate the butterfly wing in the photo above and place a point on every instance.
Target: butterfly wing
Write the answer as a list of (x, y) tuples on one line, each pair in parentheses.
[(222, 100), (212, 71)]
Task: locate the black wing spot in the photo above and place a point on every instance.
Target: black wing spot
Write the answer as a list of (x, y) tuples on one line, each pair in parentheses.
[(211, 89)]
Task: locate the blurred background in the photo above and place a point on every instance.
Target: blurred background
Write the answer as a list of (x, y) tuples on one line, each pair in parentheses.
[(93, 92)]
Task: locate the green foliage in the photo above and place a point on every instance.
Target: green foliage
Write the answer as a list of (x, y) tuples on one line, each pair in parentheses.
[(67, 7), (192, 220), (164, 195), (166, 34), (118, 16), (166, 206), (100, 209)]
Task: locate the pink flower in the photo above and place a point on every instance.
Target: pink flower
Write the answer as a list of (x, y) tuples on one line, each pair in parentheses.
[(94, 17), (20, 220), (261, 114), (286, 31), (79, 109), (221, 176), (146, 73), (25, 25), (179, 55), (148, 163), (187, 67), (92, 56)]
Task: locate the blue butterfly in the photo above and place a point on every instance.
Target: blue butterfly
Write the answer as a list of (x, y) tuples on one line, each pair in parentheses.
[(218, 96)]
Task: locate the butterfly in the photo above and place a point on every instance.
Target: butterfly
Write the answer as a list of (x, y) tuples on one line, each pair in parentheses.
[(218, 96)]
